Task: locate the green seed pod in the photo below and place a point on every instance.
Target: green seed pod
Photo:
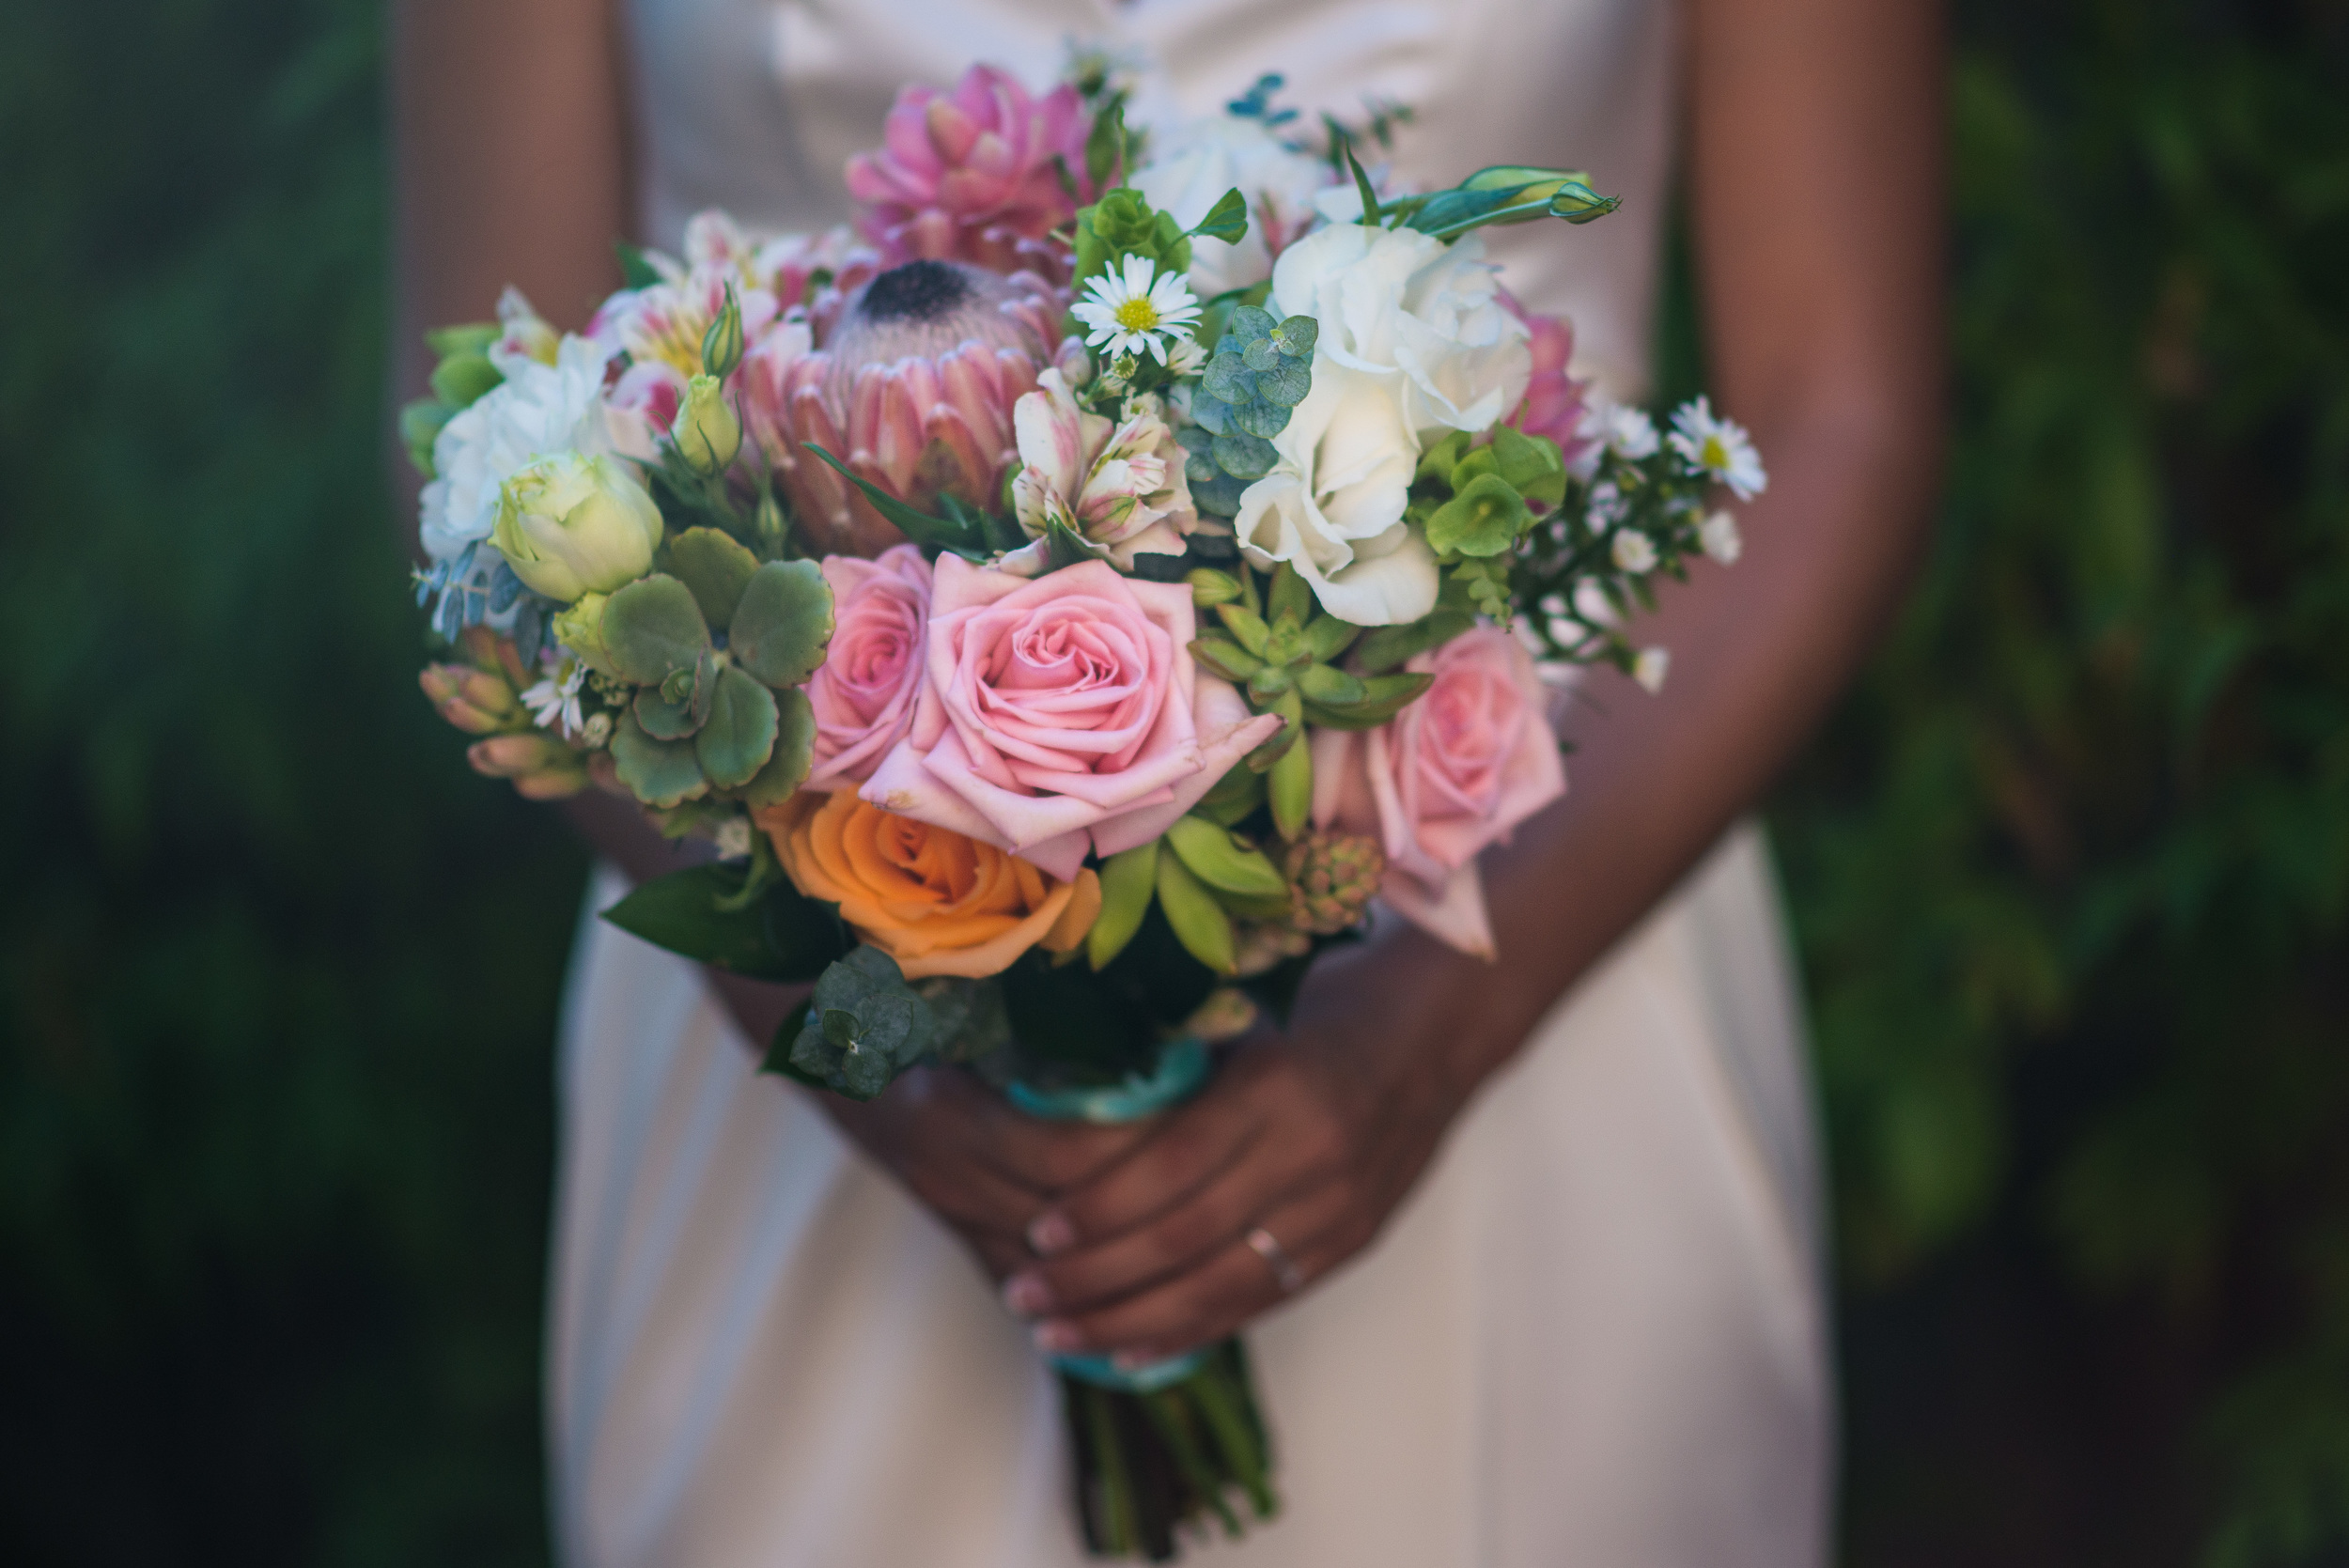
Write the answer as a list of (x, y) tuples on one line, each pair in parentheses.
[(1209, 588)]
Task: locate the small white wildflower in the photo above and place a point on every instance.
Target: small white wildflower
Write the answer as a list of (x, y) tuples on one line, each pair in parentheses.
[(1718, 447), (554, 701), (733, 838), (1591, 603), (1188, 358), (1607, 505), (1626, 431), (1721, 539), (1634, 553), (1142, 310), (1650, 667)]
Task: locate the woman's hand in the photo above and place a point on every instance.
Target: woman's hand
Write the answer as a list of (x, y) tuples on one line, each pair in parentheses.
[(1309, 1139)]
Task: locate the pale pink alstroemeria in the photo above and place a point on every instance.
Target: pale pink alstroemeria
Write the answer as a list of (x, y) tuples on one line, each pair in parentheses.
[(1120, 486)]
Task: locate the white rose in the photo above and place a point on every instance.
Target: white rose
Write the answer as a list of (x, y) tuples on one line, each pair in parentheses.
[(538, 411), (1333, 508), (1197, 162), (1424, 315)]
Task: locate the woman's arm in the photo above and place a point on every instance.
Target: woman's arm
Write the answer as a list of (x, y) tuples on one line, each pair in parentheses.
[(1815, 184), (510, 152)]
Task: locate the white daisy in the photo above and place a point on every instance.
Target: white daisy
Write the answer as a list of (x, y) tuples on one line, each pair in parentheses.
[(1634, 553), (555, 699), (1718, 447), (1143, 309)]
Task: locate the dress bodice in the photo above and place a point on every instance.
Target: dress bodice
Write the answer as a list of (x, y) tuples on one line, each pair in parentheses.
[(756, 105)]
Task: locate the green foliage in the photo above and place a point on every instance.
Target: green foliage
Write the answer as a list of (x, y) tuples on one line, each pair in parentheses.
[(2072, 868), (277, 973)]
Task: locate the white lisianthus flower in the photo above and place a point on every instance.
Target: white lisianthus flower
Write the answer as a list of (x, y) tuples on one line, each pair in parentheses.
[(538, 410), (1722, 541), (1194, 163), (1334, 506), (571, 525), (1137, 309), (1634, 553), (1650, 667), (1720, 447), (1421, 315)]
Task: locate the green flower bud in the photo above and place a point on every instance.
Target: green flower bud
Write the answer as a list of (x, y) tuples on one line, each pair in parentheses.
[(721, 344), (708, 433), (580, 629), (571, 525)]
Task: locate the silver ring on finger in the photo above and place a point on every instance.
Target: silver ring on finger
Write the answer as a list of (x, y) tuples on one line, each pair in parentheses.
[(1285, 1271)]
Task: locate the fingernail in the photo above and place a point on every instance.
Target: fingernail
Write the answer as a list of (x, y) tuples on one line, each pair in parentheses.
[(1050, 1233), (1027, 1294), (1056, 1338)]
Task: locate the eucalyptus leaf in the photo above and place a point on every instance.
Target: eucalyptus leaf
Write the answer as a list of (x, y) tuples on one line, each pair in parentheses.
[(864, 1025)]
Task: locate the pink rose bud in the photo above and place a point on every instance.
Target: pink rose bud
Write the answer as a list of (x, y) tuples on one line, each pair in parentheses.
[(864, 693)]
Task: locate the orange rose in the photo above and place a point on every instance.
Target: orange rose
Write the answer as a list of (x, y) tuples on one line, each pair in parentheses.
[(935, 901)]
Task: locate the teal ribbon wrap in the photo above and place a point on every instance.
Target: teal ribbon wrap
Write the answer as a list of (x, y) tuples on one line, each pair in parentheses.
[(1182, 1068)]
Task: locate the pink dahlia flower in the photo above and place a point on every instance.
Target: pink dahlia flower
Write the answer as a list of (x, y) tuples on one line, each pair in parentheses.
[(972, 176), (911, 379), (1554, 401)]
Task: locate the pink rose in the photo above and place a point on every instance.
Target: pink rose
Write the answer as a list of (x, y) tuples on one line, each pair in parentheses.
[(1454, 772), (1554, 401), (863, 692), (1061, 714)]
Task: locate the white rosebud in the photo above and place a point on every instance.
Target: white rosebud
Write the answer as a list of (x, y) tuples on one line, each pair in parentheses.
[(571, 525), (1651, 668), (1634, 553), (1721, 539), (733, 838)]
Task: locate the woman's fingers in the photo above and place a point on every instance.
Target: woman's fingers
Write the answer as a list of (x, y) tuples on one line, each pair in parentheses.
[(1186, 1149), (1216, 1299), (1191, 1229)]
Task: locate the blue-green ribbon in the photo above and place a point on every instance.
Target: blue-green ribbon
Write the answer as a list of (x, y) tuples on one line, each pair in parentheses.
[(1182, 1068)]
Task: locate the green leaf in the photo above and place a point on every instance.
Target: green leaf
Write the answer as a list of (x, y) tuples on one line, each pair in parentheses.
[(1386, 695), (657, 773), (783, 622), (794, 751), (1234, 797), (1201, 924), (1227, 219), (1326, 636), (460, 379), (741, 734), (1063, 548), (1319, 683), (1295, 336), (664, 720), (1212, 854), (1245, 626), (680, 912), (1392, 646), (635, 270), (1362, 184), (921, 528), (464, 337), (1128, 881), (1290, 596), (653, 629), (716, 569), (1228, 659), (1485, 518)]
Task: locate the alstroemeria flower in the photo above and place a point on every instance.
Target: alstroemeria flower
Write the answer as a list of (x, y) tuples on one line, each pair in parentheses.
[(1117, 486)]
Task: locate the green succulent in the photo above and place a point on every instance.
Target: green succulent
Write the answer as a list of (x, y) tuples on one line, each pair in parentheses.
[(1475, 503), (709, 713)]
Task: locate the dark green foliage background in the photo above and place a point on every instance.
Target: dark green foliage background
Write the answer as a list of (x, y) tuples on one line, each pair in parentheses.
[(277, 975)]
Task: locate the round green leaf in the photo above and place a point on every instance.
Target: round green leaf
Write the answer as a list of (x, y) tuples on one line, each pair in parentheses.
[(740, 734), (653, 629), (783, 622), (657, 773), (661, 719), (710, 563), (794, 753), (1483, 520)]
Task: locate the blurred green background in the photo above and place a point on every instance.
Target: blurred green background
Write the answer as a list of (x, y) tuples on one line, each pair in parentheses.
[(2070, 868)]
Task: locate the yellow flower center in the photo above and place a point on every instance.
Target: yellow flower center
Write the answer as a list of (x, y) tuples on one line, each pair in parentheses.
[(1715, 453), (1138, 315)]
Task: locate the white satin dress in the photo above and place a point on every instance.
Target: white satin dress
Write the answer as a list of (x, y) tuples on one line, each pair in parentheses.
[(1594, 1336)]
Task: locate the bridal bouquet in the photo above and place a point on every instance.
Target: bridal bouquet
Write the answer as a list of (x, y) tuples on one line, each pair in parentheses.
[(1066, 601)]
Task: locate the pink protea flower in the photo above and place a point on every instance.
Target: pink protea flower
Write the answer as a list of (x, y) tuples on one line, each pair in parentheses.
[(972, 176), (911, 379), (1554, 401)]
